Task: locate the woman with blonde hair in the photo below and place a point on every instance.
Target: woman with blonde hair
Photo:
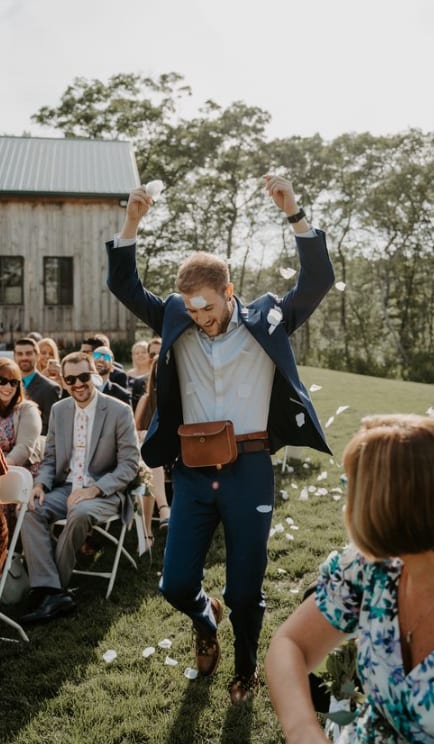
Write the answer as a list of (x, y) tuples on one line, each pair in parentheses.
[(48, 353), (380, 588)]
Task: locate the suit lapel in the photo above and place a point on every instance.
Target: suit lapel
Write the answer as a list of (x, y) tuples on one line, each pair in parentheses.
[(98, 424)]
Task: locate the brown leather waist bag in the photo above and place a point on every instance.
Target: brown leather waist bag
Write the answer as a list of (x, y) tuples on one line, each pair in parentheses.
[(208, 444)]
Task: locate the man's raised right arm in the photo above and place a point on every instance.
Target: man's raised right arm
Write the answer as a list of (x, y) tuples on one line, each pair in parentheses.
[(139, 203)]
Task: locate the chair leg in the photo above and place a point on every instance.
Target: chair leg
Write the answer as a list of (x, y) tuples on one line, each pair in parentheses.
[(11, 548), (15, 625), (119, 550)]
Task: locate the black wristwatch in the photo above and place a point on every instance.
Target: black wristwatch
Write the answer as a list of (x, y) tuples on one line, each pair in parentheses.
[(296, 217)]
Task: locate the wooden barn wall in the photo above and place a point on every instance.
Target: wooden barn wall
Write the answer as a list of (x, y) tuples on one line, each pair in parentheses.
[(77, 228)]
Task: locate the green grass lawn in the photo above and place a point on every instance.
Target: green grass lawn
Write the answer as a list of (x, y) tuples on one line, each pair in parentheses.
[(58, 688)]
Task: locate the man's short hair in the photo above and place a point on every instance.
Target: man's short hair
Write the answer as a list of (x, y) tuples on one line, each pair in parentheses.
[(98, 339), (26, 341), (75, 358), (202, 270), (389, 464)]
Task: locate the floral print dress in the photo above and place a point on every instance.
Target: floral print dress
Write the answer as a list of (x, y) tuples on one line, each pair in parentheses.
[(361, 597)]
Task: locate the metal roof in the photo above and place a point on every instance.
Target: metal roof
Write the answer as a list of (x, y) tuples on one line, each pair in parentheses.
[(74, 167)]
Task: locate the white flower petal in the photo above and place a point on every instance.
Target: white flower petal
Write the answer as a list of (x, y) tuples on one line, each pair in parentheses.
[(340, 286), (109, 655), (289, 520), (287, 273), (169, 661), (278, 527), (329, 421), (154, 189), (313, 388), (300, 419), (304, 494), (264, 508), (294, 527), (430, 411), (272, 532), (165, 643), (281, 571), (294, 591), (341, 409), (289, 536), (191, 673), (148, 651), (322, 476), (284, 495)]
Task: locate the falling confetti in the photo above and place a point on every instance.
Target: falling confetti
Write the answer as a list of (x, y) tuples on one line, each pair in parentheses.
[(148, 651), (340, 286), (109, 656), (313, 388), (341, 409), (287, 273)]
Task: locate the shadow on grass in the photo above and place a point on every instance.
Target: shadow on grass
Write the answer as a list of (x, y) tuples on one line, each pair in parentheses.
[(32, 673), (184, 727), (238, 724)]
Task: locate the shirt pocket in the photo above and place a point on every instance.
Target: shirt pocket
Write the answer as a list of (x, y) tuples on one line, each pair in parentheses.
[(244, 390)]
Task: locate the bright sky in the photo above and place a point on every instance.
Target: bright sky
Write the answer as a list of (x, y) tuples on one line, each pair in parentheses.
[(327, 66)]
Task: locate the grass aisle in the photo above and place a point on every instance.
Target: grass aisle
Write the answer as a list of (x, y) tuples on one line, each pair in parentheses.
[(58, 688)]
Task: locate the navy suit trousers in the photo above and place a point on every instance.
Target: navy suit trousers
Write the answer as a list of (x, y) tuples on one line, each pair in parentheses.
[(241, 497)]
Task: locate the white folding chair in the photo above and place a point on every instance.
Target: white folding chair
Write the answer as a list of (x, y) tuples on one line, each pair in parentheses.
[(15, 488), (104, 530)]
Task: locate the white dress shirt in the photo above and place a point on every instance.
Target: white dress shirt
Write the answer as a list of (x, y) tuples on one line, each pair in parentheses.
[(89, 410)]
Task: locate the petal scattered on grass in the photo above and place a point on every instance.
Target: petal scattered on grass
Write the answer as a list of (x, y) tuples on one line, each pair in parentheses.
[(340, 286), (304, 494), (322, 476), (284, 495), (165, 643), (281, 571), (109, 655), (278, 527), (191, 673), (289, 536), (169, 661), (329, 421), (294, 591), (313, 388), (289, 520), (148, 651)]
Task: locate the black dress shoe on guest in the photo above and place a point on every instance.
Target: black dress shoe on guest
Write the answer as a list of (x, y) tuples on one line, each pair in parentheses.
[(52, 606)]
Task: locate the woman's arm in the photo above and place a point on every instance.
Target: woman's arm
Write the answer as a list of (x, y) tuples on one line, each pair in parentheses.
[(297, 647), (28, 425)]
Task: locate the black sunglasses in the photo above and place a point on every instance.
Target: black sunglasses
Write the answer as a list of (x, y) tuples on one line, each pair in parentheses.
[(83, 377), (6, 381)]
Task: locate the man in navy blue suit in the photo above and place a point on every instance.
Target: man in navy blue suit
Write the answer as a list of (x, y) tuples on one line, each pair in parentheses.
[(222, 360)]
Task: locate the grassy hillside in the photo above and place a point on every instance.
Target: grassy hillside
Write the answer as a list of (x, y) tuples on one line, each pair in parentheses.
[(59, 689)]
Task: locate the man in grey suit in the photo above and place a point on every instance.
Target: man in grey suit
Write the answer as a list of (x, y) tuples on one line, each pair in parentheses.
[(91, 456), (40, 389)]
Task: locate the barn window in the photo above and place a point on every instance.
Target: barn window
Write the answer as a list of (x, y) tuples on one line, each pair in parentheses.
[(58, 281), (11, 280)]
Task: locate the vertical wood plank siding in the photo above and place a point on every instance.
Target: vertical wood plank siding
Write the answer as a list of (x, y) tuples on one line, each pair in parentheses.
[(78, 228)]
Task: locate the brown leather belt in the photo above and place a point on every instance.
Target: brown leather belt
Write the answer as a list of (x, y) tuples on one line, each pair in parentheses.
[(253, 442)]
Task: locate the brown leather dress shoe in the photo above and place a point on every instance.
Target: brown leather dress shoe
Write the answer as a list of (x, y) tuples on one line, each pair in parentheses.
[(207, 647), (241, 688)]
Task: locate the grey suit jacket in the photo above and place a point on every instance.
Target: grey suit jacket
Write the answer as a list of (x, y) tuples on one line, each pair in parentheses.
[(113, 453)]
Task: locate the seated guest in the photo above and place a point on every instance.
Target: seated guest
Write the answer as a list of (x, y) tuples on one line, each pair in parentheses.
[(103, 358), (4, 535), (89, 345), (137, 382), (143, 415), (91, 456), (380, 588), (38, 388), (48, 352), (20, 426)]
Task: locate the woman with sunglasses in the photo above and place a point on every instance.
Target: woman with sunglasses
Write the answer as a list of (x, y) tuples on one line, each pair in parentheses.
[(380, 588), (20, 425)]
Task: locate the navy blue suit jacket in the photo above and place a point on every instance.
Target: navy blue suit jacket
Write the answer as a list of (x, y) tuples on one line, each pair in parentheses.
[(169, 318)]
